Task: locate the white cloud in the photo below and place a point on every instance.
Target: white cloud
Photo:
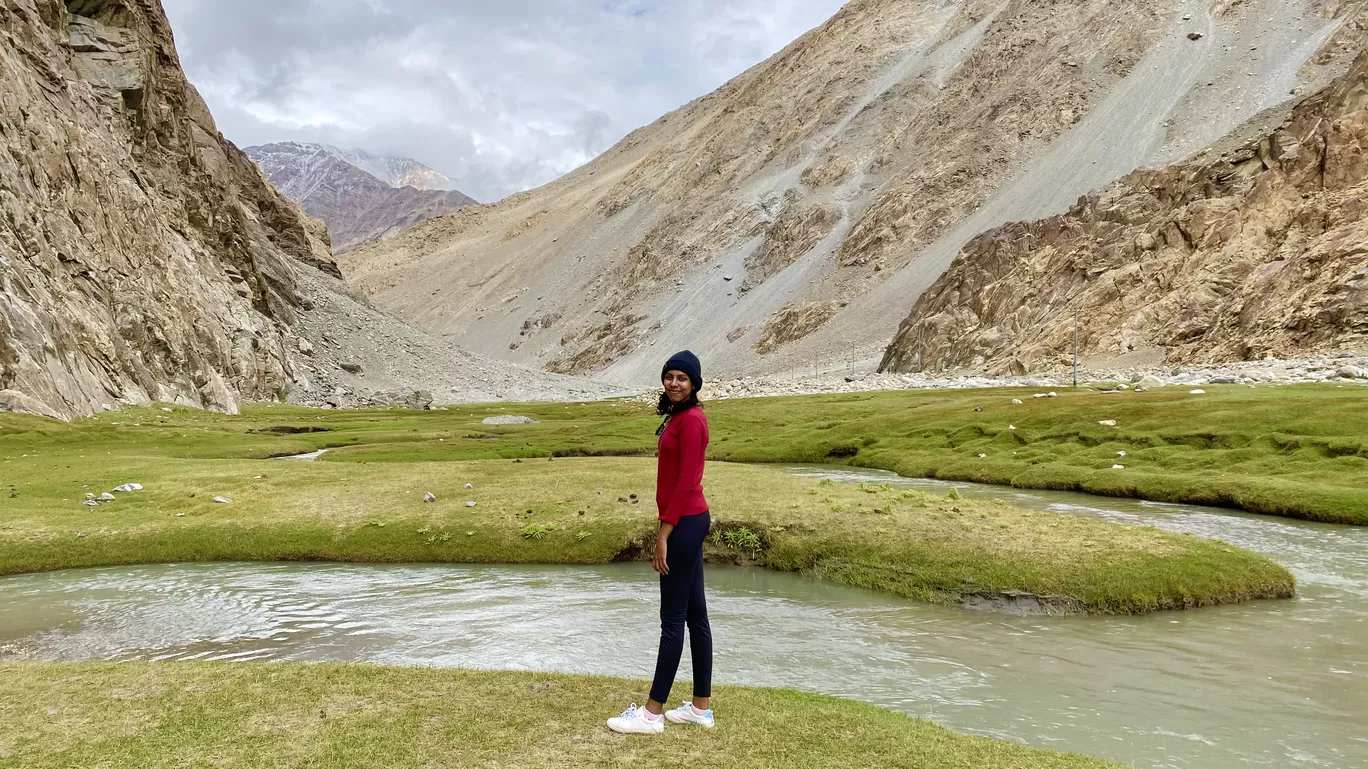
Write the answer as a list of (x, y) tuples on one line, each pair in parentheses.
[(502, 96)]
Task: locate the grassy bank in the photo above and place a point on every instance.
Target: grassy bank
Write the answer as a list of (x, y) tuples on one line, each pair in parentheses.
[(601, 509), (264, 716), (1299, 451)]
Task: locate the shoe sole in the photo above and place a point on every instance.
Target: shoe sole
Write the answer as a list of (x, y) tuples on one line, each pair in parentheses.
[(677, 720), (635, 731)]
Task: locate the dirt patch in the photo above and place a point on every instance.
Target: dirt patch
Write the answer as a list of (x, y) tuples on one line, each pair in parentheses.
[(1021, 602)]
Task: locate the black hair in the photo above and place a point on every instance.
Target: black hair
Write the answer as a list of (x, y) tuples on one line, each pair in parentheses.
[(668, 408)]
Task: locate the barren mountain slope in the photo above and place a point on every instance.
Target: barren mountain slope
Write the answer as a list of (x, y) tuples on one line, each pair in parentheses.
[(835, 181), (142, 256), (342, 188), (1251, 249)]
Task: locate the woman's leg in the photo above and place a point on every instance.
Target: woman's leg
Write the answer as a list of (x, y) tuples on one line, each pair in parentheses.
[(700, 636), (684, 554)]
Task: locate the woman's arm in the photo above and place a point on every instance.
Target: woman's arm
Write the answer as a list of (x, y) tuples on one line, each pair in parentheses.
[(658, 563)]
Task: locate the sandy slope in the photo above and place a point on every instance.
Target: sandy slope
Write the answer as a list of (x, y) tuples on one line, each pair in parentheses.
[(836, 181)]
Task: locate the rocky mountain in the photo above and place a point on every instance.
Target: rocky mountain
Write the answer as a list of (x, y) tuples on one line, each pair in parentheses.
[(360, 196), (1253, 248), (143, 257), (789, 220)]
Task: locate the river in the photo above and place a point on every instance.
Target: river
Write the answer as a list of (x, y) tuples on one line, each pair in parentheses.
[(1271, 684)]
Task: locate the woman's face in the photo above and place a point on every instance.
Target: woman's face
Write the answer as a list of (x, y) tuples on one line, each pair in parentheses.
[(677, 386)]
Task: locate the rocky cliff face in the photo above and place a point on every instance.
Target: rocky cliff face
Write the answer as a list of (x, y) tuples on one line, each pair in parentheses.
[(1248, 249), (793, 216), (361, 197), (142, 256)]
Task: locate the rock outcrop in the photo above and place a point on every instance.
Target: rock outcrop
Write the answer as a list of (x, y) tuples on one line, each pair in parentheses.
[(142, 256), (361, 197), (850, 167), (1250, 249)]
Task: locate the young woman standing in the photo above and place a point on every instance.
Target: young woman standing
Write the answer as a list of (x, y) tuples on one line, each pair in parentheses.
[(684, 523)]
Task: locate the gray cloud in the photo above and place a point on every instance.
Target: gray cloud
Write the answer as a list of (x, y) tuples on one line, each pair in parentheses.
[(501, 96)]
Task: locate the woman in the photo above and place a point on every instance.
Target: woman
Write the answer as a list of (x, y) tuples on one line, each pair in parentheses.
[(684, 524)]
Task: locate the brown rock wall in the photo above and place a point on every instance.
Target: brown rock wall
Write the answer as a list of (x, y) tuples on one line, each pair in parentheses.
[(1260, 249), (142, 256)]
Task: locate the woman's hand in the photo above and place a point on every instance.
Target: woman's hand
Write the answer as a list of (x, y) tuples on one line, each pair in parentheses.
[(662, 547)]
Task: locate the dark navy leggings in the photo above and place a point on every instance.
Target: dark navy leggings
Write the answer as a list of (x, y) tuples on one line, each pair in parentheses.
[(681, 604)]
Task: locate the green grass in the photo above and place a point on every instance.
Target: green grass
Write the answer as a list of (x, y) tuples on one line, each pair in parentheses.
[(1298, 451), (279, 716), (599, 510)]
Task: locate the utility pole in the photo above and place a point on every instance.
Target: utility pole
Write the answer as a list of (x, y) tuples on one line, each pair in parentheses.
[(1075, 384)]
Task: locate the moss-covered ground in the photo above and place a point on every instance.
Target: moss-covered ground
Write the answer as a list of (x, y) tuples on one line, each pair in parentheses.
[(284, 716)]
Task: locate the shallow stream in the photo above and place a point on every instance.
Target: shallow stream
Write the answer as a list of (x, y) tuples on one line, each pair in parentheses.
[(1272, 684)]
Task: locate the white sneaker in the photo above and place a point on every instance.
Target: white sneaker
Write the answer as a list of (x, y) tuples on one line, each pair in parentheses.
[(685, 714), (635, 720)]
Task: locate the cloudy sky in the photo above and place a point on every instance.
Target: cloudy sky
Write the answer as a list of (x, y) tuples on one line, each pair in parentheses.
[(501, 95)]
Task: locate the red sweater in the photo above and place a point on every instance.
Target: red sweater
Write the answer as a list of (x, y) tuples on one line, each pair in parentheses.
[(679, 467)]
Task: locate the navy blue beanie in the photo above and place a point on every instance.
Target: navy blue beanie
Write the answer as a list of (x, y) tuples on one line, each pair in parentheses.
[(688, 363)]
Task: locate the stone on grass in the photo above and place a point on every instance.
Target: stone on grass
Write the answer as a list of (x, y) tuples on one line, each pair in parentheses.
[(223, 500), (129, 487), (1120, 453), (1107, 422), (509, 420), (1016, 401), (471, 503), (982, 456), (91, 503), (1150, 381), (1198, 391), (106, 497), (1052, 395), (1118, 467), (470, 485), (429, 497)]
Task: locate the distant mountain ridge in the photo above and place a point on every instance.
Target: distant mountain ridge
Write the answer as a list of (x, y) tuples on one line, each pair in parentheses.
[(359, 195)]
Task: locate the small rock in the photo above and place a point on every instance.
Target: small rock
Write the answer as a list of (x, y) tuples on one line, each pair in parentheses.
[(1040, 395), (1118, 467), (1195, 36), (89, 495), (1352, 372), (180, 515), (509, 420), (80, 534), (1223, 379), (470, 485), (622, 499), (1120, 453), (106, 497), (167, 409), (1107, 422), (305, 346), (727, 277), (1016, 401), (1150, 382), (1052, 395), (1123, 386), (91, 503), (223, 500), (1011, 427), (980, 408), (429, 497), (471, 503), (129, 487), (350, 367), (982, 456), (1198, 391)]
